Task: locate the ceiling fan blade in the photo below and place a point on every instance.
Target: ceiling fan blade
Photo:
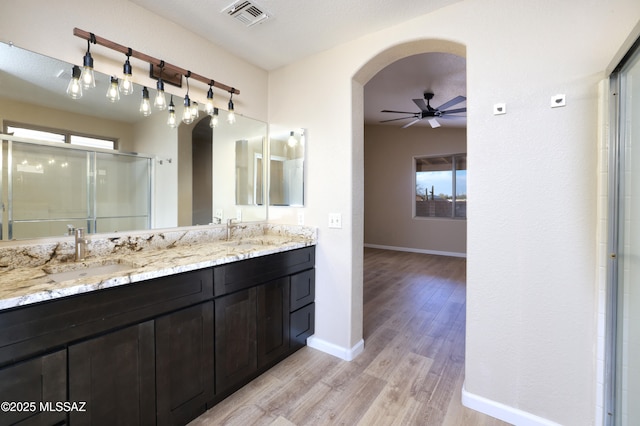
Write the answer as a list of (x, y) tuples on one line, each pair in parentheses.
[(453, 117), (411, 123), (454, 111), (452, 102), (399, 112), (421, 104), (396, 119), (434, 123)]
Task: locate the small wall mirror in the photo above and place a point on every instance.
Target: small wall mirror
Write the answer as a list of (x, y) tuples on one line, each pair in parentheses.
[(286, 165)]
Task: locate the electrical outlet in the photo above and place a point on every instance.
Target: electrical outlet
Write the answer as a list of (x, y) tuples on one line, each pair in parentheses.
[(300, 217), (219, 214), (239, 215), (335, 220), (558, 100)]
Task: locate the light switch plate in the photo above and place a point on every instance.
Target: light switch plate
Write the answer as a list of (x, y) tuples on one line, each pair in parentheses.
[(499, 109)]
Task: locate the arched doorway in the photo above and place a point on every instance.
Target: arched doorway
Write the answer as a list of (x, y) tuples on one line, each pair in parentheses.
[(360, 78)]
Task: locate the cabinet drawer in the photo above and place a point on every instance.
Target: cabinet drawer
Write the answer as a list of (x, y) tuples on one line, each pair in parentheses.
[(248, 273), (303, 289), (302, 325), (44, 326)]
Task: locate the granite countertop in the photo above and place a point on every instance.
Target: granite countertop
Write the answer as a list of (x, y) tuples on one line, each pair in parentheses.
[(31, 283)]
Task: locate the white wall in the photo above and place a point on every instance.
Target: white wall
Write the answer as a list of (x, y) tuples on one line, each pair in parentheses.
[(532, 297), (389, 191)]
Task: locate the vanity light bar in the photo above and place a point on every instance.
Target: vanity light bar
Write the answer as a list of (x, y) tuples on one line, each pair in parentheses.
[(167, 67)]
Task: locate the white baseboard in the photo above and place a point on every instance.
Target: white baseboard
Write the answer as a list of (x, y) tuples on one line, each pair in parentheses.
[(416, 250), (502, 412), (335, 350)]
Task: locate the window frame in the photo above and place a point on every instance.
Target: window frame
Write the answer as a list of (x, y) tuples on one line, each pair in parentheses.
[(414, 198), (66, 134)]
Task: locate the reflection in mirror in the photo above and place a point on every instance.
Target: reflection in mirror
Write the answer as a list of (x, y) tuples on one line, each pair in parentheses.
[(286, 168), (225, 181), (33, 94)]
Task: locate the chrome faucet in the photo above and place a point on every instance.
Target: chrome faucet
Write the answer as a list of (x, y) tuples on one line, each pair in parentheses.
[(230, 225), (80, 244)]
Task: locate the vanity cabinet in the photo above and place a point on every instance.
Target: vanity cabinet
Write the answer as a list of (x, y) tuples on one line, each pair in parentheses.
[(157, 352), (253, 314)]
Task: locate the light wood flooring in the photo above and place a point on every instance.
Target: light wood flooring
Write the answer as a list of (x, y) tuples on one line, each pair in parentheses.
[(410, 373)]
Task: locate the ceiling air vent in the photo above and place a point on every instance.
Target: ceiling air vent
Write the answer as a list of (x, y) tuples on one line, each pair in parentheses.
[(247, 12)]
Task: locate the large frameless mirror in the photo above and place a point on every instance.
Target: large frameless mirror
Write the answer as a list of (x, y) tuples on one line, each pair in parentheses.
[(192, 178)]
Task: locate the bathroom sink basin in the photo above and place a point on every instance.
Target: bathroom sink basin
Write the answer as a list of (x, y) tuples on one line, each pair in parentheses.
[(77, 271), (243, 244)]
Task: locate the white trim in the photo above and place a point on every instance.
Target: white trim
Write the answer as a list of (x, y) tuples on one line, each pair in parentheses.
[(335, 350), (417, 250), (502, 412)]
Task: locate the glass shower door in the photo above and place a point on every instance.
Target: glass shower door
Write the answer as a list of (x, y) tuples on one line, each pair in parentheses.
[(47, 190), (626, 278), (122, 192)]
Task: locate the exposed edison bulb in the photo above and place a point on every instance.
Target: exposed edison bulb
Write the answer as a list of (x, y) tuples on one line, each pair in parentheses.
[(187, 117), (145, 104), (87, 79), (172, 121), (74, 89), (231, 115), (160, 101), (113, 92), (214, 118), (126, 83), (292, 140), (195, 112), (208, 105)]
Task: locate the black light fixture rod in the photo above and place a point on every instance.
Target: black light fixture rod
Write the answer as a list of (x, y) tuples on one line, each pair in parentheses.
[(150, 59)]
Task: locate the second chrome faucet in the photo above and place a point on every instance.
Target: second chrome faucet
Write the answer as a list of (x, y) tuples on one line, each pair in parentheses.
[(80, 244)]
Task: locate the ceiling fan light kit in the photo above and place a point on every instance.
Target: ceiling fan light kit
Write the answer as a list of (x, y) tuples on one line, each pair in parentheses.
[(429, 112)]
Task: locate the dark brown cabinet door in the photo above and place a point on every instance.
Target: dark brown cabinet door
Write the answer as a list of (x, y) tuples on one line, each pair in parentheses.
[(273, 321), (184, 364), (115, 375), (29, 383), (235, 339)]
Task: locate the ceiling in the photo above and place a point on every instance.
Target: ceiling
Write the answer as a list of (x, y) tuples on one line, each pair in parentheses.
[(295, 29)]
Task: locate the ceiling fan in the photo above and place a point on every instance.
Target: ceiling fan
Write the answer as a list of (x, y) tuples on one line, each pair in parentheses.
[(429, 112)]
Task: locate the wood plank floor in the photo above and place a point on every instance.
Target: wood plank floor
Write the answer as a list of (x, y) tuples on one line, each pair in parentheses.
[(411, 370)]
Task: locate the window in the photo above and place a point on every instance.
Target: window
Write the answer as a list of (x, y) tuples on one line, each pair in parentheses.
[(441, 186), (60, 136)]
